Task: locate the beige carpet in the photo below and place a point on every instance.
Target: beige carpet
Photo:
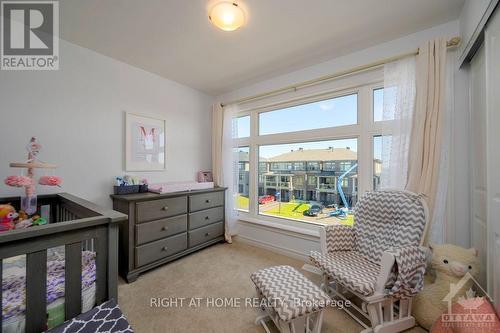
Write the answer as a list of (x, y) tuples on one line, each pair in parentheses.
[(221, 271)]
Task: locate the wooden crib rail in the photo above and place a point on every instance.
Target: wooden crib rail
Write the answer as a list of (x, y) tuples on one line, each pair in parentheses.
[(99, 226)]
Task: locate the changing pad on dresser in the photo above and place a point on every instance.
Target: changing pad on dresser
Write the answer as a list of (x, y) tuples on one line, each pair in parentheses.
[(179, 187)]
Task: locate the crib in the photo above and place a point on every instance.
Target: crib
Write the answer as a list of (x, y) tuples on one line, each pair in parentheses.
[(77, 226)]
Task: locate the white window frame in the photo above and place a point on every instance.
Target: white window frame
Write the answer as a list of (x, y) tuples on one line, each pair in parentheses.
[(364, 131)]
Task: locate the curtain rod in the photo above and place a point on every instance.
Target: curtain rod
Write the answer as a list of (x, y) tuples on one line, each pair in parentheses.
[(454, 42)]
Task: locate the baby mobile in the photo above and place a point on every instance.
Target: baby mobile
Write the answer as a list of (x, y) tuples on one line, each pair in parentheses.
[(9, 219)]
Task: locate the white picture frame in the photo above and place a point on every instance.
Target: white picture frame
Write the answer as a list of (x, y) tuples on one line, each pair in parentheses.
[(145, 143)]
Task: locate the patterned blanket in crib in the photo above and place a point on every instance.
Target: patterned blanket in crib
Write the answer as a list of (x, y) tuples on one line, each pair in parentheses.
[(14, 281), (106, 317)]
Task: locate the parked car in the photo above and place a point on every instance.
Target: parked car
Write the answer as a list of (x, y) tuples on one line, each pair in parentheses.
[(266, 198), (313, 211)]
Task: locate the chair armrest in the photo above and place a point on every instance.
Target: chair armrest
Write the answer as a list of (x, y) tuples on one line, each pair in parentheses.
[(386, 264), (337, 238), (405, 268)]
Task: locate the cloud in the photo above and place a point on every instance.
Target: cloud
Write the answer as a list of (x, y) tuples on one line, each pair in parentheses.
[(326, 106)]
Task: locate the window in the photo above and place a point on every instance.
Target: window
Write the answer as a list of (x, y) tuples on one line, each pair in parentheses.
[(378, 103), (243, 178), (285, 192), (377, 161), (338, 111), (308, 156), (344, 166), (378, 144), (312, 166), (243, 126)]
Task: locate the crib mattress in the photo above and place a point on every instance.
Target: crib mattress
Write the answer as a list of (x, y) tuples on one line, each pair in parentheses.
[(55, 311), (14, 284)]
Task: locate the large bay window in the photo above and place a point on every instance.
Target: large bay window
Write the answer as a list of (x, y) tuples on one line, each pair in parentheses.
[(309, 160)]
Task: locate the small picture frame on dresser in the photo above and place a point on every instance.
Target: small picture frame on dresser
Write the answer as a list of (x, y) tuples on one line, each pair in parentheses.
[(205, 176)]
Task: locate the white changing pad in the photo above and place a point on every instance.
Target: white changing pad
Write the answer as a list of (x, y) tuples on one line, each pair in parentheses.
[(179, 187)]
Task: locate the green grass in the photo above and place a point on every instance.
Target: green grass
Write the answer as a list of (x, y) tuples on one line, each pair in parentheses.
[(243, 202), (348, 221), (289, 209), (293, 210)]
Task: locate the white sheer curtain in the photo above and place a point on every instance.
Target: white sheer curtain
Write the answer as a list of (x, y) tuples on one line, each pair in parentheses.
[(418, 95), (399, 107), (225, 160)]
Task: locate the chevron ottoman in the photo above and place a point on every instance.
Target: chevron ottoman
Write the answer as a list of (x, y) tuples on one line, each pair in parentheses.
[(294, 303)]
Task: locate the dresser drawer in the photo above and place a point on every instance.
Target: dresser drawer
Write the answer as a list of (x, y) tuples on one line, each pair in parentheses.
[(205, 217), (206, 200), (159, 249), (202, 235), (157, 209), (150, 231)]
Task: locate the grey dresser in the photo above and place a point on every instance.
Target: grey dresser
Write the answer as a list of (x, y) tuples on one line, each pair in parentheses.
[(164, 227)]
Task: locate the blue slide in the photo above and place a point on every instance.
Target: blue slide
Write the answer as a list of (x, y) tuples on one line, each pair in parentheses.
[(342, 212)]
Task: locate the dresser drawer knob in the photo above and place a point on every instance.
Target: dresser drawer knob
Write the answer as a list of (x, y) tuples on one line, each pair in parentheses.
[(165, 208), (164, 228), (207, 201), (164, 248), (207, 218), (207, 234)]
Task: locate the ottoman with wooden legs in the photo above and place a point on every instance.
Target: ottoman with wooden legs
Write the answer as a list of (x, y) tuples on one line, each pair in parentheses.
[(290, 300)]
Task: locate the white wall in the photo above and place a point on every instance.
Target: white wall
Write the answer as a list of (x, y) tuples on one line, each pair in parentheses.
[(296, 245), (473, 18), (77, 114), (382, 51)]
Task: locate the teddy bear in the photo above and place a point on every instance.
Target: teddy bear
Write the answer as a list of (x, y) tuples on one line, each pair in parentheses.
[(7, 216), (449, 264)]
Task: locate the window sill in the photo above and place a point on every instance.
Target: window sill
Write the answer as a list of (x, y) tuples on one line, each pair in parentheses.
[(296, 227)]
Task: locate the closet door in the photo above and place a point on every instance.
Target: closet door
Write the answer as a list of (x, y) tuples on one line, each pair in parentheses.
[(478, 158), (492, 40)]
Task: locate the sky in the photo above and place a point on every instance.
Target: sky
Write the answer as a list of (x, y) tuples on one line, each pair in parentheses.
[(338, 111)]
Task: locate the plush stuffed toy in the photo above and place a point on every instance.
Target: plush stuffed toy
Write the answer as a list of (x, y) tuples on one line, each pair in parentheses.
[(448, 265), (7, 216)]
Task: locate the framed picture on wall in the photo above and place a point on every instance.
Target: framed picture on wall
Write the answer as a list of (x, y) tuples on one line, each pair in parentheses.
[(145, 143)]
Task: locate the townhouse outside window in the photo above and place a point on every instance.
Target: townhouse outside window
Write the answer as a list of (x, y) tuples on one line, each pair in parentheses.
[(243, 201), (290, 190), (309, 160)]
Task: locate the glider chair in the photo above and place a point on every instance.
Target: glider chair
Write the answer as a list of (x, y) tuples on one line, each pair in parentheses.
[(378, 264)]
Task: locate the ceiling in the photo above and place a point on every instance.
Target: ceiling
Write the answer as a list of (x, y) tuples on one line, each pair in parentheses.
[(174, 39)]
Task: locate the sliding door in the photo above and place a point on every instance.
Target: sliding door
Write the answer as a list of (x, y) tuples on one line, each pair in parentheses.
[(492, 41), (478, 158)]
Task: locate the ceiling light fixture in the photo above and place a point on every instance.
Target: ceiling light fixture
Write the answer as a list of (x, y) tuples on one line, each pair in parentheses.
[(226, 15)]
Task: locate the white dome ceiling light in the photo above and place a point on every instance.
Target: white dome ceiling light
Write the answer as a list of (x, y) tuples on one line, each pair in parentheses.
[(226, 15)]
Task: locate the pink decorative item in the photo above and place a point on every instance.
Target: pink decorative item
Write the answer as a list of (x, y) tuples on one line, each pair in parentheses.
[(18, 181), (29, 200), (205, 176), (50, 180)]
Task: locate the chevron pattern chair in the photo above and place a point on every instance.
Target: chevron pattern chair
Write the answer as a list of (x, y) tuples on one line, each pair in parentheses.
[(380, 260)]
